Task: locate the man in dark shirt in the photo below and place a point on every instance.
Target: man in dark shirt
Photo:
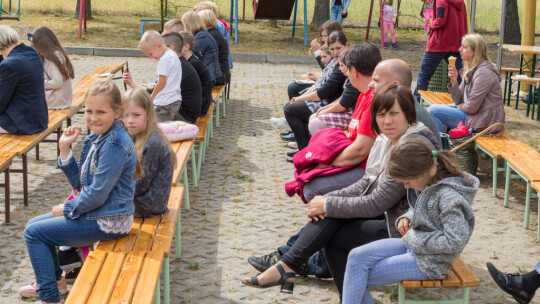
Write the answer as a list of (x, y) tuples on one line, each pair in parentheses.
[(204, 75), (190, 85)]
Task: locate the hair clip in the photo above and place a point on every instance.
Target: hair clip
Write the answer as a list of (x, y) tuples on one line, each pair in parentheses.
[(29, 36), (434, 153)]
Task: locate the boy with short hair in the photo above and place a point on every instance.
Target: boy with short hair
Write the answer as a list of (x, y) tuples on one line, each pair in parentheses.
[(204, 74), (166, 93), (190, 85)]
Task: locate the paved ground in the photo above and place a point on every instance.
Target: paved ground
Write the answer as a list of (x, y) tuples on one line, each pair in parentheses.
[(240, 208)]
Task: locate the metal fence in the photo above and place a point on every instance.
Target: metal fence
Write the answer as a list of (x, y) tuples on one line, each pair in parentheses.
[(487, 11)]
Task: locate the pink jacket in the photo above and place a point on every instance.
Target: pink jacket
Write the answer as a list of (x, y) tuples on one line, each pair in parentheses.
[(323, 147)]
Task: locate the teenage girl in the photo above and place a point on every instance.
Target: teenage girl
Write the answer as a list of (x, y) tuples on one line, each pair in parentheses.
[(105, 177), (389, 12), (435, 229), (154, 154), (57, 68)]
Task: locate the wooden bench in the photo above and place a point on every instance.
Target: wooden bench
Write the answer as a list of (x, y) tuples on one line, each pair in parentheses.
[(20, 145), (435, 98), (218, 93), (461, 276), (127, 270), (203, 138), (527, 166), (494, 146), (530, 99), (5, 163), (184, 150), (508, 73)]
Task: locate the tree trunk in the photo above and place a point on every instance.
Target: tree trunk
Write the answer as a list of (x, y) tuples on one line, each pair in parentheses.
[(88, 9), (321, 13), (512, 32)]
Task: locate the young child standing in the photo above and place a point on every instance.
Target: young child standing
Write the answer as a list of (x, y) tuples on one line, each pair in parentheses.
[(154, 154), (200, 67), (104, 175), (166, 93), (435, 229), (389, 12), (428, 14), (57, 68)]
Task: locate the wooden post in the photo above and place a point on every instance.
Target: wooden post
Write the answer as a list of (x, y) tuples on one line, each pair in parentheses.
[(527, 34)]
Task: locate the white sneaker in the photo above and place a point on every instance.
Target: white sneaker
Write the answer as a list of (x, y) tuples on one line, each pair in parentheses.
[(293, 145), (280, 123), (425, 32)]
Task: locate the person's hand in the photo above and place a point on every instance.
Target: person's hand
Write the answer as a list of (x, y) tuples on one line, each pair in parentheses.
[(315, 45), (58, 210), (343, 11), (69, 136), (452, 74), (403, 226), (126, 77), (316, 208), (295, 99), (312, 76)]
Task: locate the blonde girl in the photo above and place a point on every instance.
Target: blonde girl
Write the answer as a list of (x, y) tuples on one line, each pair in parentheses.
[(154, 154)]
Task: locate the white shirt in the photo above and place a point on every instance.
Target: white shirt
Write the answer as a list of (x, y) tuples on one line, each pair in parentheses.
[(170, 67)]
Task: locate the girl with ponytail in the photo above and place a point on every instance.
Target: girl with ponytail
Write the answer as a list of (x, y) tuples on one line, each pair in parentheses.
[(435, 230)]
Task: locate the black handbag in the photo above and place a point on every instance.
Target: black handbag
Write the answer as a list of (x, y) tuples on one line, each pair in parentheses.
[(344, 15)]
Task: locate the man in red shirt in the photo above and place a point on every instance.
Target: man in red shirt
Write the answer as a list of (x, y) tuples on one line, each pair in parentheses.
[(445, 33)]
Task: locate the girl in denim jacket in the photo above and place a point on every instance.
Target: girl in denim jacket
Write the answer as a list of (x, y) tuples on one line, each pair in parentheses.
[(105, 177)]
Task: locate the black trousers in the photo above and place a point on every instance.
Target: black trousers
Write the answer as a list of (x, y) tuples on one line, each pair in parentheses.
[(337, 236), (297, 115)]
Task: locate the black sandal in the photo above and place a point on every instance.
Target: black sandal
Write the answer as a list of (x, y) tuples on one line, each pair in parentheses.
[(286, 287)]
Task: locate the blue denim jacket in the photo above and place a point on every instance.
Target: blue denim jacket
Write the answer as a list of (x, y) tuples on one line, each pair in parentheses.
[(107, 184)]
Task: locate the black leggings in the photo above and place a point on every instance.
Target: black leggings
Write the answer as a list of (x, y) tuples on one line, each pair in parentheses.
[(297, 115), (338, 236)]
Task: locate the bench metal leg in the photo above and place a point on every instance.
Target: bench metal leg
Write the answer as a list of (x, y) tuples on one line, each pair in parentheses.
[(6, 191), (166, 282), (217, 112), (538, 223), (194, 167), (200, 158), (224, 106), (507, 184), (186, 188), (401, 294), (178, 234), (211, 125), (527, 205), (463, 300)]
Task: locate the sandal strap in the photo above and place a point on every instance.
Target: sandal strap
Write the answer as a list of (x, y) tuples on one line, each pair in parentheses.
[(255, 281), (284, 275), (280, 269)]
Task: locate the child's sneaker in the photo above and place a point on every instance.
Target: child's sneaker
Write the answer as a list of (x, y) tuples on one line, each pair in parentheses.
[(30, 291), (386, 45), (394, 46)]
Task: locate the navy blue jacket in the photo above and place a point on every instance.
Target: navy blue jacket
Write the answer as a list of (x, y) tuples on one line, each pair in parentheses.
[(208, 48), (23, 108)]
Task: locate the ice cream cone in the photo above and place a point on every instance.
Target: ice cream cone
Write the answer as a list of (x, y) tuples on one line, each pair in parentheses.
[(451, 62)]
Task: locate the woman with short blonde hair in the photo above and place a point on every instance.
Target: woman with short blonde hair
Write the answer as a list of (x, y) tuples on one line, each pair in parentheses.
[(209, 19)]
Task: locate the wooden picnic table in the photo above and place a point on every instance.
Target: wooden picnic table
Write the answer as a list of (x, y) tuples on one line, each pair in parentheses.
[(435, 97), (524, 64)]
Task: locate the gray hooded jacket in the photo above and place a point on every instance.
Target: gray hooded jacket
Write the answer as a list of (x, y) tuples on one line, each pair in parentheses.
[(442, 221), (373, 196)]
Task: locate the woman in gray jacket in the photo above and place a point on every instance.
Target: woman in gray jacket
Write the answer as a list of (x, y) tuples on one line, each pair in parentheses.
[(435, 230), (479, 97)]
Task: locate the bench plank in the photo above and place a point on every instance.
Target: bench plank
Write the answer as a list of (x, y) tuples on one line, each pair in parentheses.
[(465, 274), (498, 144), (460, 276), (104, 286), (527, 163), (203, 123), (146, 286), (165, 233), (147, 233), (127, 280), (451, 280), (436, 97), (81, 290)]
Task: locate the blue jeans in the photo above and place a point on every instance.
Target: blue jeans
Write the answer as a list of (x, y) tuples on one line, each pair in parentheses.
[(43, 233), (335, 13), (377, 263), (445, 115), (430, 62), (316, 264)]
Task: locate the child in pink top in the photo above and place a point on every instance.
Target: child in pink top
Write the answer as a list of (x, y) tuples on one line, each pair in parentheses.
[(389, 12), (428, 15)]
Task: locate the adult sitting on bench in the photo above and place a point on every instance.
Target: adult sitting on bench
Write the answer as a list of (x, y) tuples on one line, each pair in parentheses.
[(23, 108)]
